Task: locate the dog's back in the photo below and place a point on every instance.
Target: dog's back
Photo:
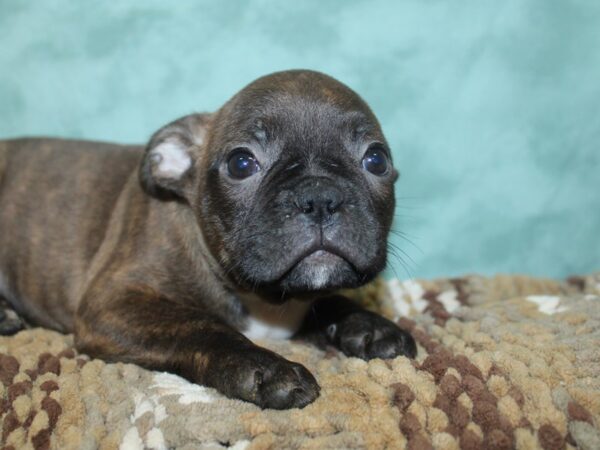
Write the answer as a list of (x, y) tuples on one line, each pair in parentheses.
[(56, 198)]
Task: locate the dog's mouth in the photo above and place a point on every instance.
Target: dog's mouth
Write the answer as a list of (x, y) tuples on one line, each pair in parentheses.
[(318, 268), (318, 254), (308, 264), (321, 256)]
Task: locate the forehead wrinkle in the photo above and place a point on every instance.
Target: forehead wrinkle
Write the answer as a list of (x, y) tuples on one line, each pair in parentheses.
[(308, 118), (311, 123)]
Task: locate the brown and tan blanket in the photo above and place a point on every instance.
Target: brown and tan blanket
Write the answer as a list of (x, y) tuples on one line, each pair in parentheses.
[(504, 362)]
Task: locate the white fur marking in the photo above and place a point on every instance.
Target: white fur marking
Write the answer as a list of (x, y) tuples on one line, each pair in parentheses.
[(547, 304), (320, 268), (174, 159), (257, 329), (267, 321), (320, 276)]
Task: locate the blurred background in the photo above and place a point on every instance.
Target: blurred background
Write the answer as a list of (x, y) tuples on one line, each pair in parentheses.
[(492, 108)]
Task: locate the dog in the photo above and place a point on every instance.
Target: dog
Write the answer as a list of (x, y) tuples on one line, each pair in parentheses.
[(226, 227)]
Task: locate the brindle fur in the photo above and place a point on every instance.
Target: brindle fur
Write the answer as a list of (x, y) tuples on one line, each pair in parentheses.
[(141, 268)]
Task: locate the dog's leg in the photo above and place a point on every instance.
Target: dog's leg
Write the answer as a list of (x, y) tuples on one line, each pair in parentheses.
[(152, 331), (355, 331)]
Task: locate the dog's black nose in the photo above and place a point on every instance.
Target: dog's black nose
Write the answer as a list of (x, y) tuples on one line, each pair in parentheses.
[(319, 199)]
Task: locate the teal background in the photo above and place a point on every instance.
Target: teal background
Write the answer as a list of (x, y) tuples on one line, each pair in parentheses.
[(492, 108)]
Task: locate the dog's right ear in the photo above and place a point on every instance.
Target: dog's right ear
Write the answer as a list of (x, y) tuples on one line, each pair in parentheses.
[(167, 166)]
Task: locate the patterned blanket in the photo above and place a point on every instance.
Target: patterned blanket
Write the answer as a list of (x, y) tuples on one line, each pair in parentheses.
[(504, 362)]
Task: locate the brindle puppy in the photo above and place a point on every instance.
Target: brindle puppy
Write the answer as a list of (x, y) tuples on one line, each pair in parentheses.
[(225, 227)]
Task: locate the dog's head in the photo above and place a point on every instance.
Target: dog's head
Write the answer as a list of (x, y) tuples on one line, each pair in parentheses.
[(291, 182)]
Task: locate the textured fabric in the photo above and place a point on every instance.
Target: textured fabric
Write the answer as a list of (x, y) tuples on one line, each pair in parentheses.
[(503, 362), (490, 107)]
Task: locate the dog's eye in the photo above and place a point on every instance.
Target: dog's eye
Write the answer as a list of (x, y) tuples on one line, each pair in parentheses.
[(242, 164), (375, 160)]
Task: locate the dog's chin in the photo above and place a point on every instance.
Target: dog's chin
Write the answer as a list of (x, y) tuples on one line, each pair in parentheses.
[(317, 273)]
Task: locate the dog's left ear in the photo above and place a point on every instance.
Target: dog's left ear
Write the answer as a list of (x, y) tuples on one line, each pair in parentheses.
[(167, 166)]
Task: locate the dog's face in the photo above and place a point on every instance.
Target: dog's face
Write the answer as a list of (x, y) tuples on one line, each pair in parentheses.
[(293, 186)]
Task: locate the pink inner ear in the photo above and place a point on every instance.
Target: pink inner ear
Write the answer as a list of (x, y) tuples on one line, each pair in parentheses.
[(172, 159)]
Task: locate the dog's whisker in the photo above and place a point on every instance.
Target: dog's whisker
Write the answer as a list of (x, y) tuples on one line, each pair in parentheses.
[(397, 248), (402, 262), (405, 237)]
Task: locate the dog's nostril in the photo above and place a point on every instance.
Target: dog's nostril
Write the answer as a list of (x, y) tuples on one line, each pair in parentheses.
[(305, 206), (326, 206), (308, 207), (333, 206)]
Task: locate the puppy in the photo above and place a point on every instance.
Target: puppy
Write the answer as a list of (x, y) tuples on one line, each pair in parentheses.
[(226, 227)]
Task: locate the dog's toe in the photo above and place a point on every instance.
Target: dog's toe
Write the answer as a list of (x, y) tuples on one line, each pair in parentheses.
[(267, 380), (367, 335), (288, 386), (397, 343)]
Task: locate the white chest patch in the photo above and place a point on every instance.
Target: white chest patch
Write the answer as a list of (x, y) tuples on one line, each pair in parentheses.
[(172, 159), (267, 321)]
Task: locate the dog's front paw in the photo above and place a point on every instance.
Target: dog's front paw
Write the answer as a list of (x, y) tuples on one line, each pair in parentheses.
[(367, 335), (268, 380)]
